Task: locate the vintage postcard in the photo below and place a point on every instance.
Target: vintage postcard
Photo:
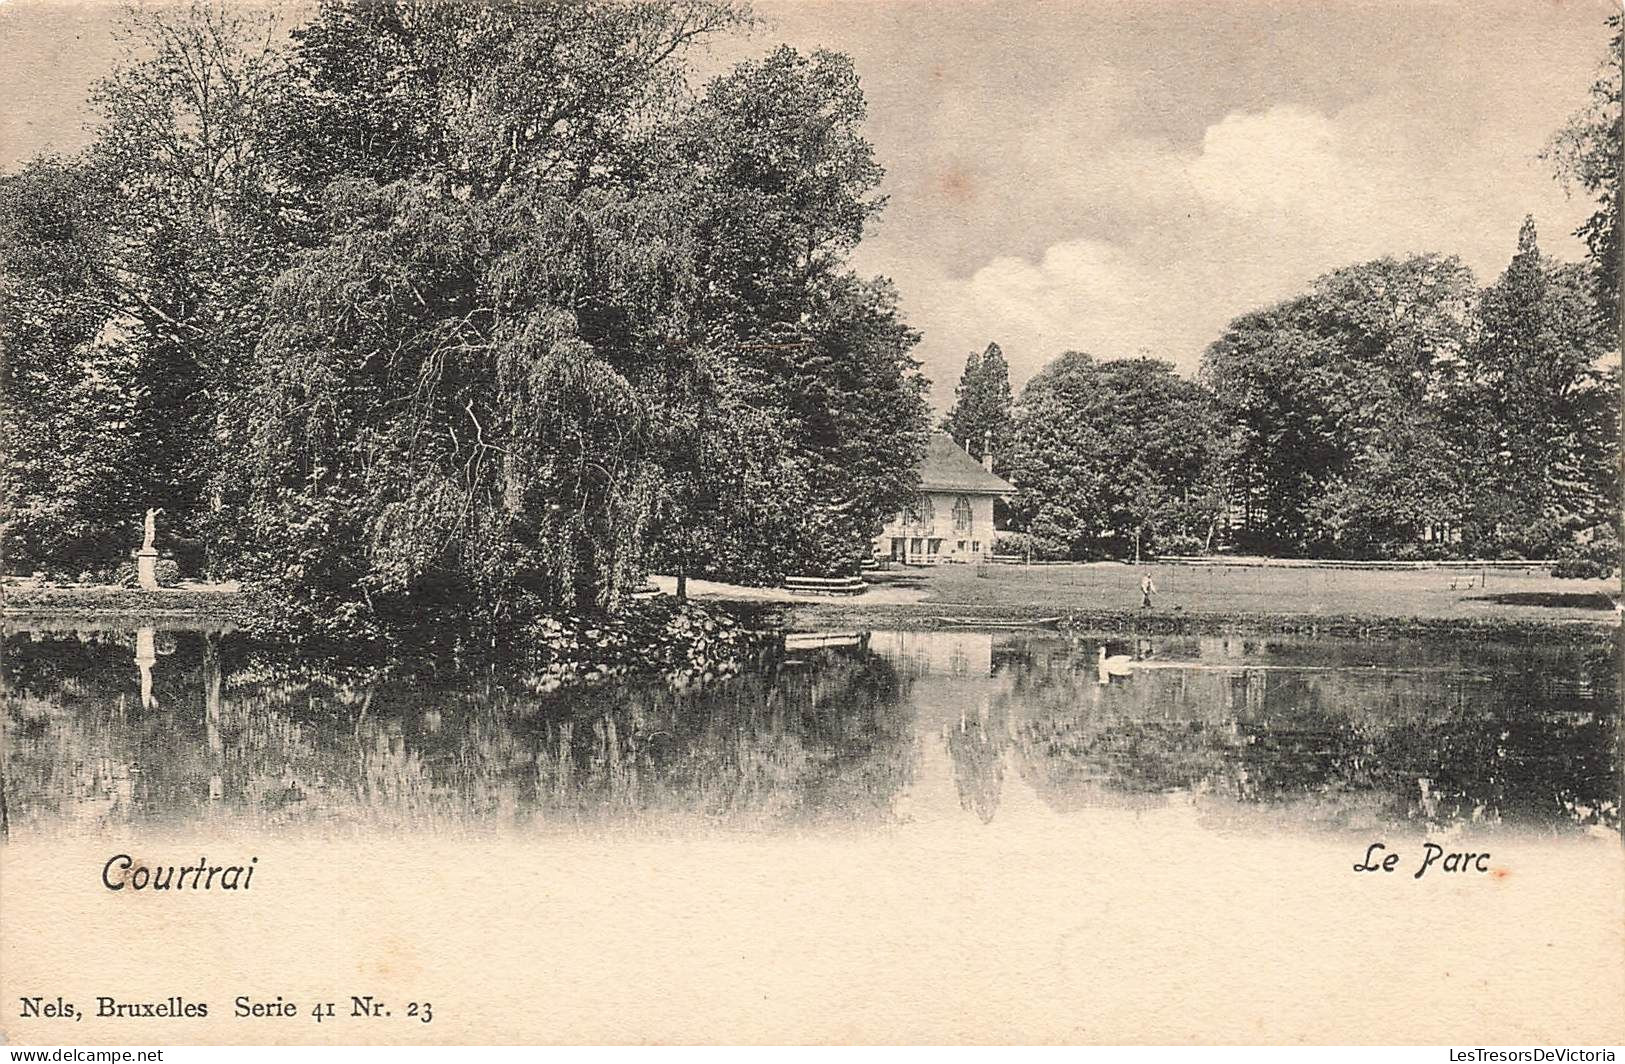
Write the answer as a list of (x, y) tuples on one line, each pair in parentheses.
[(706, 521)]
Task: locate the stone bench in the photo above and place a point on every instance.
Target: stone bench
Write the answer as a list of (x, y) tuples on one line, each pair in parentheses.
[(825, 585)]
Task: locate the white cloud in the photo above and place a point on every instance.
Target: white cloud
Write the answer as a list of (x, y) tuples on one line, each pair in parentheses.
[(1283, 157), (1083, 294), (1086, 295), (1166, 246)]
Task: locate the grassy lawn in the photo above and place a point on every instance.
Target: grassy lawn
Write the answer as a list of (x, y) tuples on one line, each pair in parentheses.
[(1114, 587)]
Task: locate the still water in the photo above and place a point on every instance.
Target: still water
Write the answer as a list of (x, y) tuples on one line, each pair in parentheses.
[(116, 727)]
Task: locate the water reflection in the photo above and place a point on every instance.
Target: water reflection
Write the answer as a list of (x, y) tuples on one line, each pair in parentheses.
[(121, 726)]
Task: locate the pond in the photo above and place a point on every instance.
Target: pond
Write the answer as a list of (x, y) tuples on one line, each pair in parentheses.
[(107, 728)]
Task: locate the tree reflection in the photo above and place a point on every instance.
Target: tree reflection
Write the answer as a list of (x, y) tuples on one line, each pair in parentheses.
[(232, 730), (977, 747), (1520, 734), (118, 727)]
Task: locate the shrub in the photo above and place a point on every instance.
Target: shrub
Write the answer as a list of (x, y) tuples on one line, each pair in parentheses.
[(1180, 544), (1602, 547), (1010, 543), (1581, 569), (168, 572), (1597, 557), (189, 552)]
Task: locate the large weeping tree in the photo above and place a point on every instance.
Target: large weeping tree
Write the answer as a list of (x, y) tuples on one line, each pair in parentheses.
[(453, 403), (561, 308)]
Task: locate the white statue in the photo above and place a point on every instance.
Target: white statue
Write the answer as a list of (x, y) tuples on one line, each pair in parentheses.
[(152, 528)]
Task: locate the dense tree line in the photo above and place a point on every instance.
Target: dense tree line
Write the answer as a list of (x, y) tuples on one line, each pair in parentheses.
[(1396, 409), (458, 304)]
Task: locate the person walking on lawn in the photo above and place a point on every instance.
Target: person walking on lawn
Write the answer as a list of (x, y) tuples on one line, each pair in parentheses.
[(1146, 588)]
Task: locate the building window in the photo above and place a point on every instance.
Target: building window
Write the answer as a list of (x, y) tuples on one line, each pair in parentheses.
[(976, 547), (962, 514), (920, 511)]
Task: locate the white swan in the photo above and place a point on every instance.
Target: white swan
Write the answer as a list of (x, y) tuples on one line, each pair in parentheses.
[(1116, 664)]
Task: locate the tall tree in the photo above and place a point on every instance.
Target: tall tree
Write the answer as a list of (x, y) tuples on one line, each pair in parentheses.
[(1116, 457), (568, 317), (778, 184), (982, 405), (1586, 152), (193, 140), (457, 393), (1336, 397), (70, 474), (178, 198)]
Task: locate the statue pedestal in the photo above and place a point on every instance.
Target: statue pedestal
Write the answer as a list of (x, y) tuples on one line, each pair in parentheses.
[(146, 569)]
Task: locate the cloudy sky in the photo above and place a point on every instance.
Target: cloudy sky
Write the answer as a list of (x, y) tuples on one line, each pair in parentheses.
[(1118, 177)]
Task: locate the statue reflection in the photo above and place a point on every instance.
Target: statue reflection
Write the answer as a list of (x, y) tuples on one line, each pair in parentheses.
[(211, 715), (146, 655)]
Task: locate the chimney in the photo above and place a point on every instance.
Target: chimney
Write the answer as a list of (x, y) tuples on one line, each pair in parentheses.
[(987, 451)]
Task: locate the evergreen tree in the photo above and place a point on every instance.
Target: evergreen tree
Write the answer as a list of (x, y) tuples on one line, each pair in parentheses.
[(1536, 467), (982, 403)]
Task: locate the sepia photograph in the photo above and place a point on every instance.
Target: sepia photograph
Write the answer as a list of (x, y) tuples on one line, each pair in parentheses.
[(811, 522)]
